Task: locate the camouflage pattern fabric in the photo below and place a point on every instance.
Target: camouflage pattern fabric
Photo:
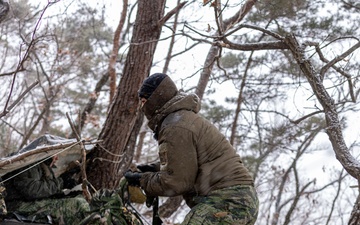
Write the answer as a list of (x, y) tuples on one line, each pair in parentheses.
[(107, 207), (234, 205), (3, 210), (55, 211)]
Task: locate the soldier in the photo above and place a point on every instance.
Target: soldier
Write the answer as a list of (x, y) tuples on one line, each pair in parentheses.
[(196, 160), (35, 182), (36, 194)]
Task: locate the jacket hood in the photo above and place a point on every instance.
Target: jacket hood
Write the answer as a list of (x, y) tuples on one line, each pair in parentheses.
[(181, 101), (165, 91)]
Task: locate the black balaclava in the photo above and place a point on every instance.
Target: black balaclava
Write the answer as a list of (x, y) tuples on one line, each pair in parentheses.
[(157, 89)]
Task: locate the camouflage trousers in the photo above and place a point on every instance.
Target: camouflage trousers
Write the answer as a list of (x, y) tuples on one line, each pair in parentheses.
[(55, 211), (234, 205), (3, 210)]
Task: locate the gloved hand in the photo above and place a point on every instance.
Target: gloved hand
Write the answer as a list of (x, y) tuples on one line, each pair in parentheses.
[(70, 179), (148, 167), (133, 178), (69, 182)]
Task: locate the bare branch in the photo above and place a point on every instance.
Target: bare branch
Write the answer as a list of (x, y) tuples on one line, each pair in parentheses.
[(239, 16), (40, 117), (339, 58), (254, 46), (12, 127), (170, 14), (115, 50), (172, 42), (8, 109), (82, 165), (265, 31), (333, 130), (337, 69), (25, 57), (11, 73), (350, 5)]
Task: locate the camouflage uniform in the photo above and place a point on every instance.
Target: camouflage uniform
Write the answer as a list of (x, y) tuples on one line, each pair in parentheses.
[(36, 195), (55, 211), (3, 210), (196, 159), (234, 205)]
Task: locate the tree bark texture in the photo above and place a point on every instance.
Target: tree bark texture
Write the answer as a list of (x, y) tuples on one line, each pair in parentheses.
[(355, 214), (104, 164)]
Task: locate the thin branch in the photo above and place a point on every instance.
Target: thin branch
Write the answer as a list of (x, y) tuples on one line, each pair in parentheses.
[(339, 58), (201, 34), (265, 31), (12, 72), (337, 69), (350, 5), (218, 18), (85, 182), (170, 14), (305, 117), (44, 110), (115, 50), (172, 42), (269, 45), (22, 95), (12, 127), (24, 58), (336, 197), (240, 14)]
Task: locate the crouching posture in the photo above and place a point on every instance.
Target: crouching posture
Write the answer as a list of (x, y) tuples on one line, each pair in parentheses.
[(196, 160)]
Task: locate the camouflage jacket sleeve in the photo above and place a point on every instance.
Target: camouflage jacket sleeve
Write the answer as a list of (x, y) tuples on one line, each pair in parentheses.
[(34, 184)]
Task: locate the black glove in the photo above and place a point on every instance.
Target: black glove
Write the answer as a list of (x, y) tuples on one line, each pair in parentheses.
[(133, 178), (148, 168), (68, 181)]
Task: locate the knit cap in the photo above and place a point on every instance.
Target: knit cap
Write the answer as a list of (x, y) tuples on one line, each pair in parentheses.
[(150, 84)]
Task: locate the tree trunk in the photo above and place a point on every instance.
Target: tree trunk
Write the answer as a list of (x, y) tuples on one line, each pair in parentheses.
[(104, 164)]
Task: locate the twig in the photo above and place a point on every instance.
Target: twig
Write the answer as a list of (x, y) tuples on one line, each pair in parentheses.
[(170, 14), (265, 31), (8, 109), (85, 182), (339, 58), (23, 59), (12, 127), (11, 73), (339, 70)]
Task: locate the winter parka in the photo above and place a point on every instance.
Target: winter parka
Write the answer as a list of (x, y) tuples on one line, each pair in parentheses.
[(195, 158)]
